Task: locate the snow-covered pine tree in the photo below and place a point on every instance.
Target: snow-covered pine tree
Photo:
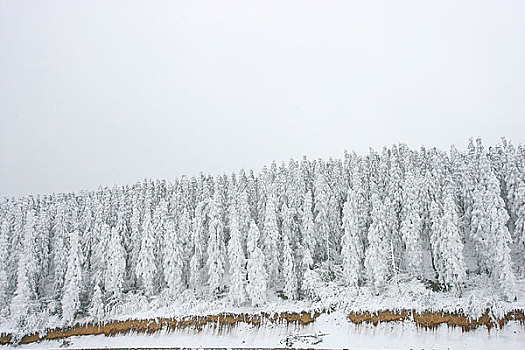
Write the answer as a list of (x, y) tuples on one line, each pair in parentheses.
[(16, 223), (338, 185), (288, 275), (96, 308), (222, 186), (434, 188), (4, 228), (362, 206), (196, 262), (24, 299), (91, 240), (146, 268), (236, 259), (257, 276), (322, 215), (43, 242), (352, 250), (73, 280), (264, 181), (394, 192), (426, 196), (488, 229), (435, 215), (60, 233), (184, 232), (311, 281), (519, 225), (125, 206), (244, 215), (377, 254), (136, 237), (295, 189), (108, 211), (307, 223), (307, 230), (90, 217), (115, 272), (508, 173), (216, 250), (462, 178), (99, 257), (253, 192), (23, 296), (411, 226), (173, 259), (121, 227), (450, 263), (271, 239), (470, 174), (158, 221)]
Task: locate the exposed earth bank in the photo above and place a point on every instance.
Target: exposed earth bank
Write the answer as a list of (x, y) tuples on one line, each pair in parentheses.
[(226, 321)]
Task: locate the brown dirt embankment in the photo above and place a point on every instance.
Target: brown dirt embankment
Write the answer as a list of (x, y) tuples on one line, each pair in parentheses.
[(425, 319), (434, 319)]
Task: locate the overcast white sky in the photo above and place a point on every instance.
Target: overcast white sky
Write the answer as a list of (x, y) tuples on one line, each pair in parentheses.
[(103, 92)]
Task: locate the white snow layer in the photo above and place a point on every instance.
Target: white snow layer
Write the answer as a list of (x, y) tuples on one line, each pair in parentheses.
[(339, 333)]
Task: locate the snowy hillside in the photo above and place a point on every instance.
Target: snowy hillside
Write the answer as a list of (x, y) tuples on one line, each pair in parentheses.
[(328, 332), (399, 229)]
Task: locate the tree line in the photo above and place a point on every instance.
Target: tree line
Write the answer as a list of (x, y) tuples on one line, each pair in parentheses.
[(364, 221)]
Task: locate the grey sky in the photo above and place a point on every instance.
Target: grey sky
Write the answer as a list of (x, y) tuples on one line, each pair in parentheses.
[(103, 92)]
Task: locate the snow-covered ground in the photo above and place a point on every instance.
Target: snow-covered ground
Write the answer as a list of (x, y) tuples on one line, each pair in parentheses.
[(340, 333)]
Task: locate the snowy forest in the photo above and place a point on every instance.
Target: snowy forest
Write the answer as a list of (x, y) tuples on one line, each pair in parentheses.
[(444, 219)]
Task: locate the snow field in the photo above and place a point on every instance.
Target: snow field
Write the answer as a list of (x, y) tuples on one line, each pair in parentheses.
[(340, 333)]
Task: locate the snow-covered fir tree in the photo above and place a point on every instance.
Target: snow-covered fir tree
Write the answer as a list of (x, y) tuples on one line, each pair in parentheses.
[(159, 222), (116, 270), (489, 230), (196, 261), (216, 250), (519, 225), (450, 262), (307, 223), (146, 267), (73, 280), (351, 250), (322, 215), (24, 298), (60, 233), (271, 239), (377, 254), (289, 275), (257, 282), (244, 215), (184, 233), (173, 259), (311, 280), (43, 245), (307, 245), (411, 226), (237, 260), (96, 308), (135, 237), (3, 267), (99, 239)]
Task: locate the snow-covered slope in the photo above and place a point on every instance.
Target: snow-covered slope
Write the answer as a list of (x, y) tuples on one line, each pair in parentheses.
[(333, 330)]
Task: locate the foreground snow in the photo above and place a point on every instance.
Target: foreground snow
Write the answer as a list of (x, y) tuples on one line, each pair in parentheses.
[(408, 296), (340, 333)]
